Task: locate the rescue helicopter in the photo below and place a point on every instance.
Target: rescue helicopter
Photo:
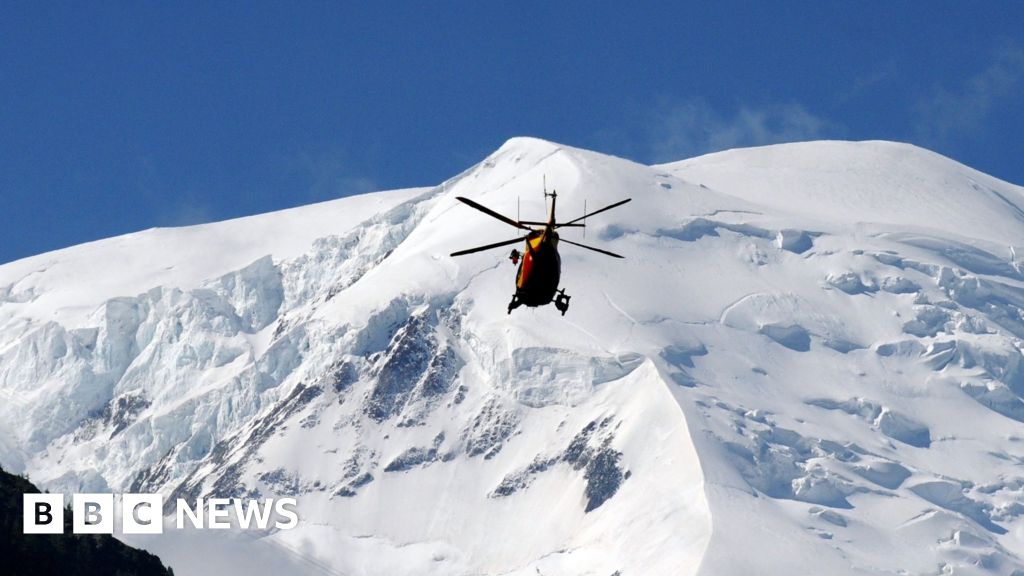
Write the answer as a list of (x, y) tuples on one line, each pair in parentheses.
[(540, 266)]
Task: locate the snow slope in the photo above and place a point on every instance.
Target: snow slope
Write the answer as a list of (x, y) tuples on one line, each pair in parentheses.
[(809, 362), (866, 182)]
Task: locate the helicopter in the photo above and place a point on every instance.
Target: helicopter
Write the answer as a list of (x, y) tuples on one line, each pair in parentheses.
[(540, 266)]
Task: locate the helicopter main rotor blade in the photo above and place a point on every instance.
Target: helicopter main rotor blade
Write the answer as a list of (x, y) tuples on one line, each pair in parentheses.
[(613, 254), (493, 214), (557, 225), (609, 207), (487, 247)]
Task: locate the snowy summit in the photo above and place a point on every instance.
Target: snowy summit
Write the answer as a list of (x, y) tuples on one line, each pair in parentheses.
[(808, 362)]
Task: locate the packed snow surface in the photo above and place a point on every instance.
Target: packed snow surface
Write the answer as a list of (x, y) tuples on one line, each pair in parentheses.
[(809, 362)]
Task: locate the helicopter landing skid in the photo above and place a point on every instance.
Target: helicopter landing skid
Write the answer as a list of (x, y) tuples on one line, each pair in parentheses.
[(515, 303), (562, 301)]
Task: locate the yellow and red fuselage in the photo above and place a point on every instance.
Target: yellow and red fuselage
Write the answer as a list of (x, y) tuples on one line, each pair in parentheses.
[(541, 267)]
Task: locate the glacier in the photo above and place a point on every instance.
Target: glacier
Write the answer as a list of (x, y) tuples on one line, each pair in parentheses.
[(809, 361)]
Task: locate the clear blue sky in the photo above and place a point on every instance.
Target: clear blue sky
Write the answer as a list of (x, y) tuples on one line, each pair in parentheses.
[(117, 117)]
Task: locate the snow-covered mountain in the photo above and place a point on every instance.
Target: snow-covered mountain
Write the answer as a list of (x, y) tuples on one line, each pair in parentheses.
[(809, 362)]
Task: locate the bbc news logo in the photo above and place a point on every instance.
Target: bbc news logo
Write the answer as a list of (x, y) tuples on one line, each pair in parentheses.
[(141, 513)]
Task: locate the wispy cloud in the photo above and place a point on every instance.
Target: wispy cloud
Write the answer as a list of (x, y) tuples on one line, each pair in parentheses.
[(966, 108), (876, 79), (692, 128)]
